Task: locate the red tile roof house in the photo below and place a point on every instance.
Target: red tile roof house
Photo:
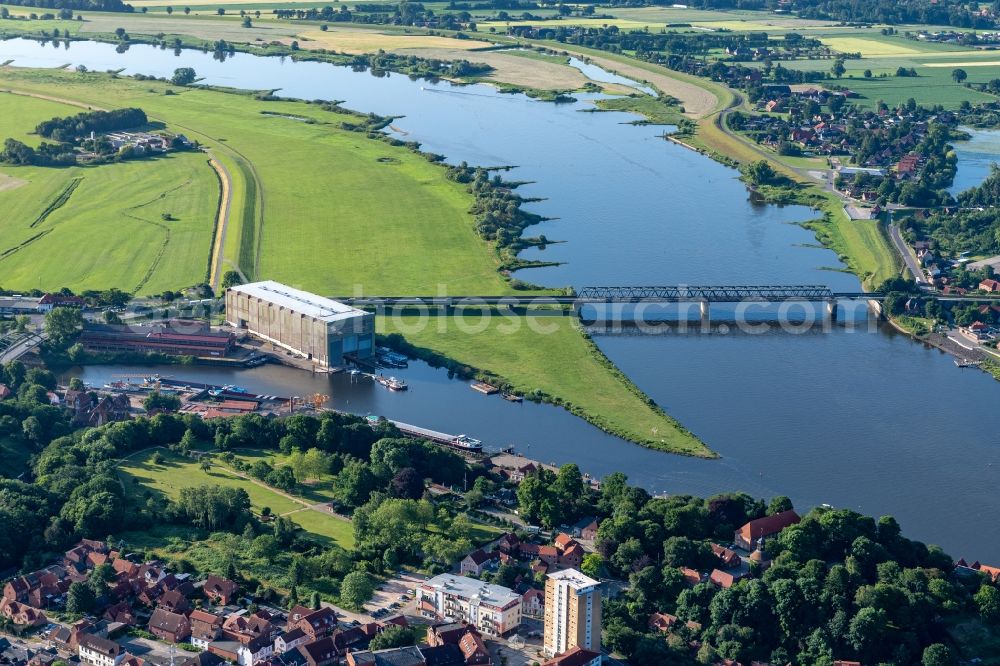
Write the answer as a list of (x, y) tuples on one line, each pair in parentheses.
[(245, 628), (724, 579), (173, 601), (22, 615), (473, 648), (664, 622), (320, 653), (50, 301), (747, 536), (220, 590), (989, 285), (120, 612), (727, 558), (477, 562), (319, 623), (169, 627), (576, 656), (205, 628)]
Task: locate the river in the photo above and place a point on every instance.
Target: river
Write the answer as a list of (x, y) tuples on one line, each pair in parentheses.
[(859, 418), (975, 157)]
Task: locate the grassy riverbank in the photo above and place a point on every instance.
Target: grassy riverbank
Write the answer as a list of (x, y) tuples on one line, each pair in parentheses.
[(558, 364)]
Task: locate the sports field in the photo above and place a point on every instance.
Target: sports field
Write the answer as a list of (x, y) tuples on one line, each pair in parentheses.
[(139, 473)]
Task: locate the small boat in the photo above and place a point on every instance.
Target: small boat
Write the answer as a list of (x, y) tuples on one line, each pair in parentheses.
[(373, 420), (392, 383), (511, 397), (467, 443)]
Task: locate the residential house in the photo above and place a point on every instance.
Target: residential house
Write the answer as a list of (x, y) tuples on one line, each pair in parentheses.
[(990, 286), (442, 655), (533, 603), (169, 626), (474, 649), (665, 622), (49, 302), (244, 628), (318, 623), (205, 628), (120, 612), (220, 590), (478, 561), (575, 656), (728, 559), (290, 640), (96, 651), (691, 576), (22, 615), (173, 601), (747, 536), (322, 652), (724, 579)]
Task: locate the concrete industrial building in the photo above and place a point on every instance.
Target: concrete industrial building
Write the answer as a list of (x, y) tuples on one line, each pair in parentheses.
[(572, 612), (317, 328), (492, 609)]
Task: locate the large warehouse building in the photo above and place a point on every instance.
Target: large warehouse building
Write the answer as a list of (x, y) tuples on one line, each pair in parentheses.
[(317, 328)]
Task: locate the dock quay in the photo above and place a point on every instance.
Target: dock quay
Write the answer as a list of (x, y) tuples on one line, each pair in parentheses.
[(484, 388)]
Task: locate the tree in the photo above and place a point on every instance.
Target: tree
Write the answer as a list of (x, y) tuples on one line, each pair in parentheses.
[(408, 484), (959, 75), (838, 68), (592, 565), (170, 10), (759, 173), (231, 279), (938, 655), (314, 601), (161, 402), (393, 636), (356, 588), (988, 602), (62, 326), (80, 598), (183, 76), (247, 23), (778, 504)]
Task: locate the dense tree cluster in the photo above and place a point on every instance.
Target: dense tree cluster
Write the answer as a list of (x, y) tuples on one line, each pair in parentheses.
[(841, 586), (46, 154), (73, 127)]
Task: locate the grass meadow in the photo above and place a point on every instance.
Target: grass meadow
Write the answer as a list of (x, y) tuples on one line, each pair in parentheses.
[(140, 474)]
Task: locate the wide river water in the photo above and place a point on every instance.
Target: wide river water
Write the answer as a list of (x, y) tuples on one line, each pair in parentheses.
[(857, 418)]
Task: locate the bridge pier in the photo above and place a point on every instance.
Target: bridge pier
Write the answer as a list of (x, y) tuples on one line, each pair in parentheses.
[(830, 311), (706, 315)]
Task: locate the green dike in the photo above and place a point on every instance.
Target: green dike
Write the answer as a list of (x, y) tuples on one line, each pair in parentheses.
[(556, 363), (343, 212)]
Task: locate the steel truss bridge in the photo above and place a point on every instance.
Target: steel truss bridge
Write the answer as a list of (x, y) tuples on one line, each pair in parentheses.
[(613, 295)]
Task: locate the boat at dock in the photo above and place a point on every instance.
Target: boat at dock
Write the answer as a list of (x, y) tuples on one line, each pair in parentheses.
[(391, 359), (965, 363), (511, 397), (484, 388), (392, 383), (463, 443)]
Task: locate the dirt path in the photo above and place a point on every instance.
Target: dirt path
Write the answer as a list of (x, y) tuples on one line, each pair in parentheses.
[(60, 100), (222, 223)]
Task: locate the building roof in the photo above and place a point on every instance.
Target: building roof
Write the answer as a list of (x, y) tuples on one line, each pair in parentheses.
[(98, 644), (167, 621), (575, 656), (469, 588), (443, 655), (403, 656), (298, 301), (577, 580), (768, 525), (480, 556)]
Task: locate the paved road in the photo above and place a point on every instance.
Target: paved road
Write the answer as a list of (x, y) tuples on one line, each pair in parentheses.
[(904, 252), (21, 348)]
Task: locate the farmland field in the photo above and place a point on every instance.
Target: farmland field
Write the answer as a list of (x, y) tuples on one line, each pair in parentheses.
[(348, 40)]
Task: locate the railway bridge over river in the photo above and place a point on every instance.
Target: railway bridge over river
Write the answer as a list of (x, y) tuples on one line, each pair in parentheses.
[(703, 296)]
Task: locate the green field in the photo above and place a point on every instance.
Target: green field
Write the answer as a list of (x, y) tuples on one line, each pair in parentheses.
[(139, 473), (557, 362), (97, 226), (340, 212)]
